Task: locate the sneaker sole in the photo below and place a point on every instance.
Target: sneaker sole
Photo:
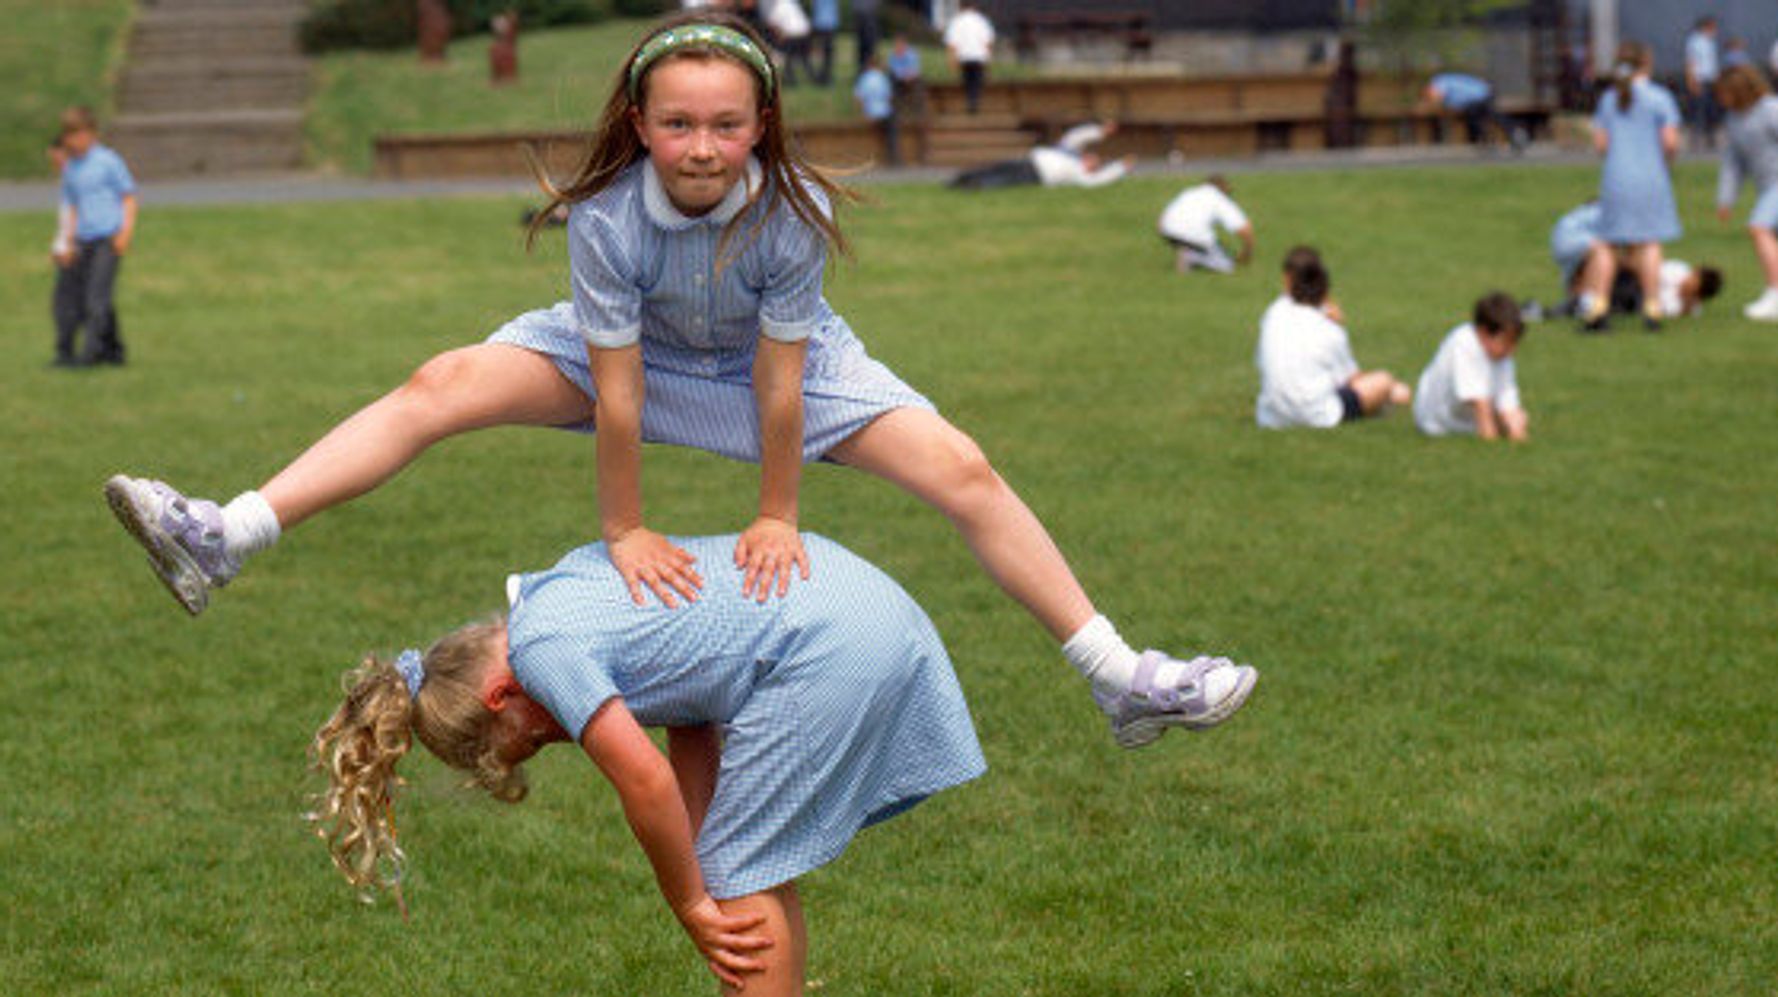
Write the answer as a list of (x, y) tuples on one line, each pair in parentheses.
[(1140, 733), (172, 565)]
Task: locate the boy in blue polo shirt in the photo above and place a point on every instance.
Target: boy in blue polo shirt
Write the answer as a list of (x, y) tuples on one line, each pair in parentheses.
[(1473, 99), (98, 187)]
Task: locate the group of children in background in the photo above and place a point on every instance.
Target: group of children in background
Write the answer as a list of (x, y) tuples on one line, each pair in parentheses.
[(1609, 250), (1307, 373)]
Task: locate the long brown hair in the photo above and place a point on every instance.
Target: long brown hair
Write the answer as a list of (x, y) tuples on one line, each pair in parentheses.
[(1741, 87), (1632, 58), (615, 146)]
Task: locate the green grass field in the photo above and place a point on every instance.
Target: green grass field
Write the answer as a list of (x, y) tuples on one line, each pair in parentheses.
[(53, 55), (1513, 735)]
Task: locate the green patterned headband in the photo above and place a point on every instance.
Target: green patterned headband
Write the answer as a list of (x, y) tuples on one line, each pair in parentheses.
[(715, 35)]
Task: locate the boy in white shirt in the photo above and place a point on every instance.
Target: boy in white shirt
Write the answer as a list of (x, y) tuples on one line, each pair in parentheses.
[(1471, 387), (1193, 224), (969, 40), (1067, 163), (1307, 375)]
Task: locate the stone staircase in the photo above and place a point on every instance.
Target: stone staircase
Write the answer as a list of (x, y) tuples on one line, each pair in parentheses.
[(974, 139), (212, 87)]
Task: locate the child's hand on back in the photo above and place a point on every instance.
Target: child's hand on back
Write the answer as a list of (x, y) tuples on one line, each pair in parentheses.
[(644, 557), (767, 551)]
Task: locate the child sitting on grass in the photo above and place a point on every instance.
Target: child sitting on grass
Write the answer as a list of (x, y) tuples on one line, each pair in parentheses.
[(1470, 386), (1307, 376)]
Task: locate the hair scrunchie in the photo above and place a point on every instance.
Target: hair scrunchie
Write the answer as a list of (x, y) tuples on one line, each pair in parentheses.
[(716, 35), (412, 668)]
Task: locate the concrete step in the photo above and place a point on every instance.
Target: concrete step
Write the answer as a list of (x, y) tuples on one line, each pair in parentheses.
[(182, 144), (168, 100), (162, 85), (241, 34)]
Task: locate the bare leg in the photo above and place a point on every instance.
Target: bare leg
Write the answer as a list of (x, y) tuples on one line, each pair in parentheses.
[(922, 453), (1378, 389), (786, 959), (1765, 246), (1647, 258), (1600, 271), (471, 388)]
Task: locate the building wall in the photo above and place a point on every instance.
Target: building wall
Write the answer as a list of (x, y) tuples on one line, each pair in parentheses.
[(1665, 23), (1184, 15)]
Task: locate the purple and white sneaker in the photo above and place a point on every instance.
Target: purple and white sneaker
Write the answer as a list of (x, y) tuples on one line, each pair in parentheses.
[(183, 537), (1143, 712)]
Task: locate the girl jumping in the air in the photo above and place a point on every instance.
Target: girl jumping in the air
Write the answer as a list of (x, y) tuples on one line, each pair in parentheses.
[(697, 240)]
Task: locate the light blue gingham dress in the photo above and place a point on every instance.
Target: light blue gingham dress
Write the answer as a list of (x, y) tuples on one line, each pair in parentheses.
[(643, 272), (837, 703), (1635, 191)]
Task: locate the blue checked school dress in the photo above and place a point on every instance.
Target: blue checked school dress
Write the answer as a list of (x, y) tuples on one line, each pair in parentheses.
[(837, 703), (1635, 191), (642, 272)]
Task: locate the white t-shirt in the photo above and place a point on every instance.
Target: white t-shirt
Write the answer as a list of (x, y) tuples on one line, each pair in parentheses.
[(1459, 375), (970, 37), (1303, 358), (1196, 214), (1673, 274), (787, 19)]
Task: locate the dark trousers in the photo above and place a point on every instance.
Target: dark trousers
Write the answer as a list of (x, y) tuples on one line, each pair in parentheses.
[(1006, 173), (83, 298), (864, 28), (823, 57), (975, 74), (1477, 117), (796, 53), (886, 127)]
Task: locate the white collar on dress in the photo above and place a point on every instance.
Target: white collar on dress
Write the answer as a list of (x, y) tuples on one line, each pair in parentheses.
[(661, 211)]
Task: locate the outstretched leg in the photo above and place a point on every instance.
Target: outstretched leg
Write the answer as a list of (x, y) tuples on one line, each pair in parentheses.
[(476, 387), (1141, 694), (925, 455), (1378, 390), (195, 545)]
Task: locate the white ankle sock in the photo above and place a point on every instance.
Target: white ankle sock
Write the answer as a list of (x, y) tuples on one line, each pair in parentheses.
[(1097, 652), (249, 525)]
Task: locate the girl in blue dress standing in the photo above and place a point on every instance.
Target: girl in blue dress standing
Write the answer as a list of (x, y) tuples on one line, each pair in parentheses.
[(1636, 129), (792, 725), (697, 241)]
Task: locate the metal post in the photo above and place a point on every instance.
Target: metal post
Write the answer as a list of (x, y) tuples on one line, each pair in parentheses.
[(1604, 36)]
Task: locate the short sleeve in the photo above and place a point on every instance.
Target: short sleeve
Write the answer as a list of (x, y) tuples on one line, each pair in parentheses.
[(1666, 109), (120, 178), (558, 671), (790, 302), (1506, 397), (607, 297), (1472, 378), (1233, 218)]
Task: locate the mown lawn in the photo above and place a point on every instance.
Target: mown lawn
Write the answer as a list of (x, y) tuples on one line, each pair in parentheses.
[(1513, 733), (52, 56)]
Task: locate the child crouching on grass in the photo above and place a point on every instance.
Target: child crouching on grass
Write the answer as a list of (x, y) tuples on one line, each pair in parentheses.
[(791, 724), (1307, 375), (1470, 386)]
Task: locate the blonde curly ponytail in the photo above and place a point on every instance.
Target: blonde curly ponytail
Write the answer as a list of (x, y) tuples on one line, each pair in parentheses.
[(359, 746)]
